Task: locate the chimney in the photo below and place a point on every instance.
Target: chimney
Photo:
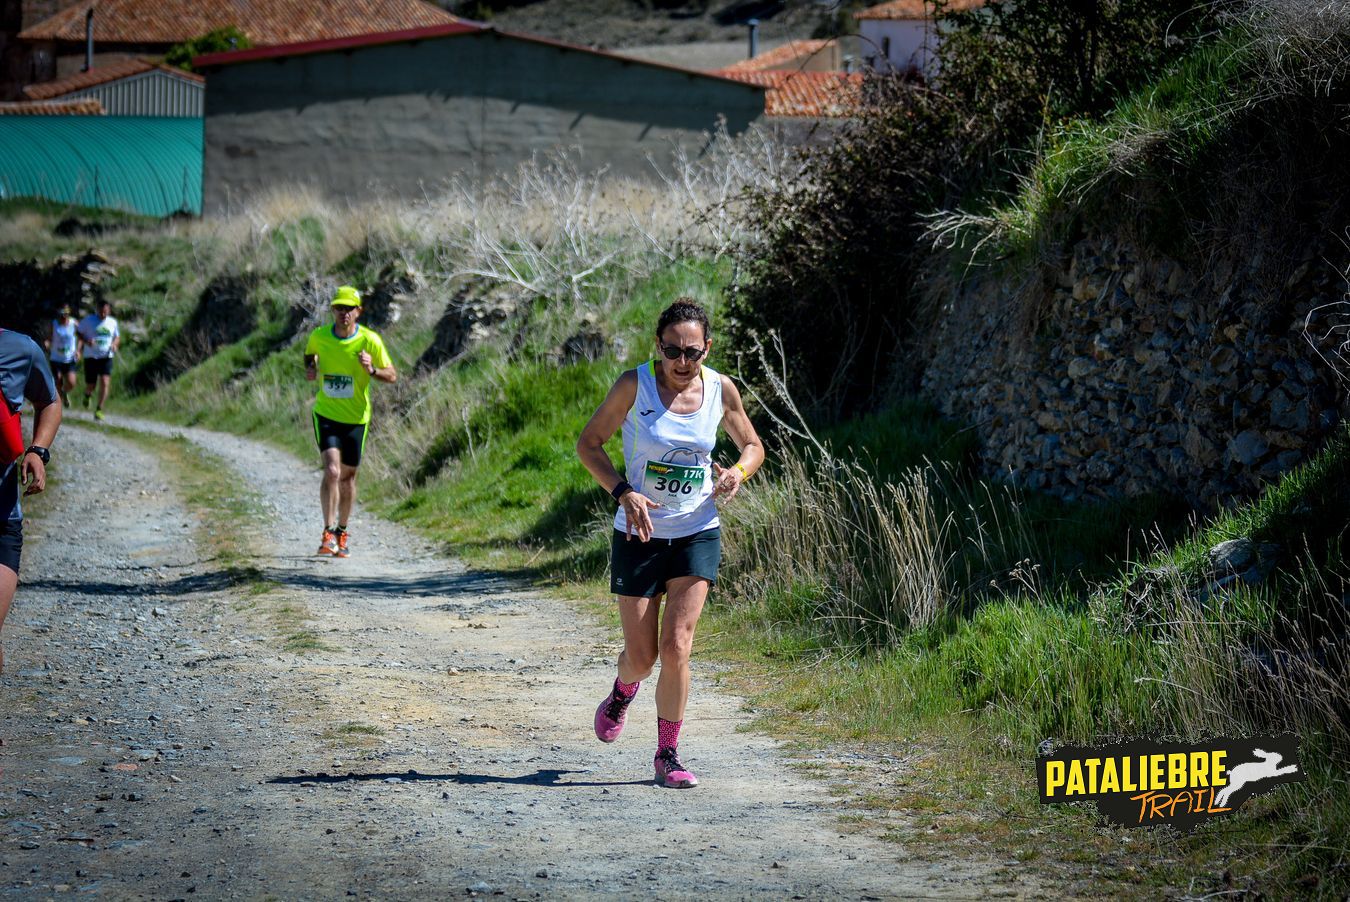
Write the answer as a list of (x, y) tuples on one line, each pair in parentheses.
[(754, 37), (89, 39)]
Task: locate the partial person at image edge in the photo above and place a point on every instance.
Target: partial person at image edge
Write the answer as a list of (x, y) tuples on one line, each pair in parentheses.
[(23, 375)]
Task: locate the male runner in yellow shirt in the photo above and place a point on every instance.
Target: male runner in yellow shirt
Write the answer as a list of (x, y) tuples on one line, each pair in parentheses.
[(343, 358)]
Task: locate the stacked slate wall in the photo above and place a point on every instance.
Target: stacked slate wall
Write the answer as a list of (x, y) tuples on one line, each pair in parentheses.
[(1123, 374)]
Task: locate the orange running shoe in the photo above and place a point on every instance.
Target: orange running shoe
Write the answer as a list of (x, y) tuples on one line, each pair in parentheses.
[(329, 543), (342, 545)]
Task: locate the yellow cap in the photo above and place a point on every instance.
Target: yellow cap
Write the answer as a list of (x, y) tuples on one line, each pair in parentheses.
[(347, 296)]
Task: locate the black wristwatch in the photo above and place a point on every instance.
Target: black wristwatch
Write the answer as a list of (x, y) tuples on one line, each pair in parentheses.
[(43, 454)]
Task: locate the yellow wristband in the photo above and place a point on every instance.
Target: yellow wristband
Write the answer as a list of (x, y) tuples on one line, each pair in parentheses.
[(744, 475)]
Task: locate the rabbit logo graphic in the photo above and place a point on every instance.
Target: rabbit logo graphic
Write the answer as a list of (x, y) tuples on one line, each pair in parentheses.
[(1264, 769)]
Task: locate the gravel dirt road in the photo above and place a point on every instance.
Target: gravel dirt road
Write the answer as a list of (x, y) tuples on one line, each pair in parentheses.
[(161, 741)]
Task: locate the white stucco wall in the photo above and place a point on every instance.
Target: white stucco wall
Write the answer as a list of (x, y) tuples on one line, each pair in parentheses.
[(894, 45)]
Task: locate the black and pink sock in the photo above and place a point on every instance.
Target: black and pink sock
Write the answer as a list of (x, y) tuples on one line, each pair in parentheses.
[(667, 734), (626, 690)]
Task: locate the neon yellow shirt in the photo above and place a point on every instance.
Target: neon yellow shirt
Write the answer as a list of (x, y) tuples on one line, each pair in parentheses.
[(344, 384)]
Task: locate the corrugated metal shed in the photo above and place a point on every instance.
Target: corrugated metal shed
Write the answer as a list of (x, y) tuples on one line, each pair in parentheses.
[(131, 87), (143, 164), (154, 93)]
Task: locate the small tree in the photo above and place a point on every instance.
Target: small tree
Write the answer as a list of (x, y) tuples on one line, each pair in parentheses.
[(217, 41)]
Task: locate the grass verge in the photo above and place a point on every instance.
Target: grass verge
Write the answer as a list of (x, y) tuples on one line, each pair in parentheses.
[(923, 767)]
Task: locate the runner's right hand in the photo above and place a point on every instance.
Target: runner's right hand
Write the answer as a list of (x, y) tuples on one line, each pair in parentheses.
[(635, 506), (34, 474)]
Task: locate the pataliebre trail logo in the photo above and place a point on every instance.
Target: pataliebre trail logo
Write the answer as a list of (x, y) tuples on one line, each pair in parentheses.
[(1145, 783)]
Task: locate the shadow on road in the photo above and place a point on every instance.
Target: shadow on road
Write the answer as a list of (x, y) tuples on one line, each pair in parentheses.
[(538, 778), (416, 586)]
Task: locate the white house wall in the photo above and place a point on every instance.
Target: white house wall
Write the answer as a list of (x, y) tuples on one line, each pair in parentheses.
[(896, 45)]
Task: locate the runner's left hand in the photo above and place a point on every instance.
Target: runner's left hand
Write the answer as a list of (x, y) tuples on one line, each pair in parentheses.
[(364, 359), (727, 482), (34, 474)]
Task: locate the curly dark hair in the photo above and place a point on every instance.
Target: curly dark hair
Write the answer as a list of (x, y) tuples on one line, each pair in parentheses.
[(684, 310)]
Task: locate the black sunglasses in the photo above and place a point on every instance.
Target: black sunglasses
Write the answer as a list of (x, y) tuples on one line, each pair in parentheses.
[(342, 308), (675, 352)]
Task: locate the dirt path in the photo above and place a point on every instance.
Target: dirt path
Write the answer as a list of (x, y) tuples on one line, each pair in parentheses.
[(160, 740)]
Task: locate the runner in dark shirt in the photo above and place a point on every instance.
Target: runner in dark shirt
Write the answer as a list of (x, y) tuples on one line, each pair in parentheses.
[(23, 375)]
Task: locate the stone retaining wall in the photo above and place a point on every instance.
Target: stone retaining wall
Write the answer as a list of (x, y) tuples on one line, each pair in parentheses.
[(1142, 376)]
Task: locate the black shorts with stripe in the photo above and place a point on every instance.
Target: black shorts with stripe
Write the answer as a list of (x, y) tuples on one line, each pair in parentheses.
[(348, 438)]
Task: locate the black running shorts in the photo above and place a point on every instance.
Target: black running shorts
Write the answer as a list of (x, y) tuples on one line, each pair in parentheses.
[(11, 543), (641, 569), (348, 438), (62, 367), (95, 367)]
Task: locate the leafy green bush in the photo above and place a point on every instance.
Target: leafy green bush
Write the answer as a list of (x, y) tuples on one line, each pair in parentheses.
[(218, 41)]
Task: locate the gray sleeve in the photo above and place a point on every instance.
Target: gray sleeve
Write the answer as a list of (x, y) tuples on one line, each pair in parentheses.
[(40, 388)]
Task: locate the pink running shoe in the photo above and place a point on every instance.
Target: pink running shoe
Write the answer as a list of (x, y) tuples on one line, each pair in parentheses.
[(611, 715), (672, 774)]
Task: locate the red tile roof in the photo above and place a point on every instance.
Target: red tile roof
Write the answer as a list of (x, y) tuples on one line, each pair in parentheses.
[(266, 22), (460, 27), (304, 48), (780, 57), (102, 75), (814, 94), (915, 9), (85, 106)]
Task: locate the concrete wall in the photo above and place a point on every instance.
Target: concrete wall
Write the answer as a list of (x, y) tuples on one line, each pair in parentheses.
[(403, 118)]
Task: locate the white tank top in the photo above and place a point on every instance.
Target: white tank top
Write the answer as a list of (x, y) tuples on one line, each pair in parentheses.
[(668, 457), (63, 341)]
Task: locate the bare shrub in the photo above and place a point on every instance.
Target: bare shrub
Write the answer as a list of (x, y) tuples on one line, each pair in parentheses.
[(556, 229), (1304, 44), (874, 556), (877, 558), (25, 228), (1249, 660), (290, 225)]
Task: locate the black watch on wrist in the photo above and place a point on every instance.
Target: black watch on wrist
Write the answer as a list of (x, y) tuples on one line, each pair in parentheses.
[(43, 454)]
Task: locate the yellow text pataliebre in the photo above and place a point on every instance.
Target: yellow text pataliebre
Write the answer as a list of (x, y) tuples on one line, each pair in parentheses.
[(1134, 773)]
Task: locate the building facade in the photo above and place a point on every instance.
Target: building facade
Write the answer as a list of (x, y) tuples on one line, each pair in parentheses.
[(902, 36), (401, 113), (130, 88)]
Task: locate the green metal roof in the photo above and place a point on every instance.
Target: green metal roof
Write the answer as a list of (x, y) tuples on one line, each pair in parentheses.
[(142, 164)]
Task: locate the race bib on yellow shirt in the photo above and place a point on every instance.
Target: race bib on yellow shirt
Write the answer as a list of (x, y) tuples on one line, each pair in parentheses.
[(339, 386), (675, 486)]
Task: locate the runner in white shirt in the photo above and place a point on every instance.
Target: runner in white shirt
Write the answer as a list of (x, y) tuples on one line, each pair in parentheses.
[(100, 338), (63, 353), (667, 539)]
